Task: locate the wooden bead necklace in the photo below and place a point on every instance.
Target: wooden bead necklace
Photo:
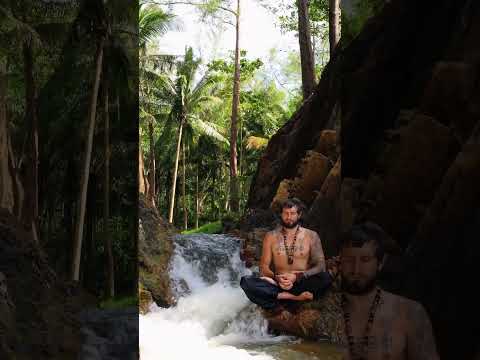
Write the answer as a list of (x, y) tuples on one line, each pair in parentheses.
[(290, 250), (368, 327)]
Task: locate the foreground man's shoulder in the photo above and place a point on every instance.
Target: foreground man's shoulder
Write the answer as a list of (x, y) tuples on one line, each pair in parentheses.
[(311, 233), (409, 308)]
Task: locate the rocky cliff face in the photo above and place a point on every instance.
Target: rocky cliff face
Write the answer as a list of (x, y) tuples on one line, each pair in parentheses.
[(155, 248), (406, 92)]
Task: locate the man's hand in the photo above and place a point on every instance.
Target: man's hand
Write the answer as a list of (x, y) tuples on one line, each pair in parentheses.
[(286, 280)]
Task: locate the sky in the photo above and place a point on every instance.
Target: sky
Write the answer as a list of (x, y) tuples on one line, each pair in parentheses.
[(258, 34)]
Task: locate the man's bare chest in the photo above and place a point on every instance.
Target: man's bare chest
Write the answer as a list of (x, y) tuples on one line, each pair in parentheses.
[(300, 247), (386, 339)]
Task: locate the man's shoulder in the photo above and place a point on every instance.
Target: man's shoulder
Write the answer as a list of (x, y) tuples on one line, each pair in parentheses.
[(270, 234), (402, 303), (311, 233)]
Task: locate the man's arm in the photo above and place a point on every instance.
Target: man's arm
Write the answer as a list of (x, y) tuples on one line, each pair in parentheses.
[(420, 340), (266, 259), (317, 258)]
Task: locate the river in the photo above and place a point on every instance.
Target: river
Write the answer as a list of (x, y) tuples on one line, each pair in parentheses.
[(213, 319)]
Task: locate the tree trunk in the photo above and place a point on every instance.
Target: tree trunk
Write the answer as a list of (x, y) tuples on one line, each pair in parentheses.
[(31, 198), (184, 193), (233, 126), (151, 192), (174, 175), (334, 24), (7, 198), (110, 272), (142, 179), (82, 198), (197, 200), (306, 53)]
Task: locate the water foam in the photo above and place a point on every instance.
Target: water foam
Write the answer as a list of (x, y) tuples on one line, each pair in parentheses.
[(212, 314)]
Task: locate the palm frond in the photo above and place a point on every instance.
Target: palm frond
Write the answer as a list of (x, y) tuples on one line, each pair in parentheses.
[(152, 22), (207, 128)]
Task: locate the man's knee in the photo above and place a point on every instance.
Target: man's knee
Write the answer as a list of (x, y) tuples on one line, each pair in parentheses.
[(245, 282)]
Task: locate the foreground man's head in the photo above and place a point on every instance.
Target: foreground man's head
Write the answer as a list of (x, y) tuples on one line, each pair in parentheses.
[(361, 257)]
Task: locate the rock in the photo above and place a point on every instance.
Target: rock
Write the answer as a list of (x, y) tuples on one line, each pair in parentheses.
[(327, 144), (350, 195), (449, 230), (412, 168), (155, 248), (447, 96), (324, 215), (312, 172), (284, 191), (313, 320), (109, 334), (145, 299)]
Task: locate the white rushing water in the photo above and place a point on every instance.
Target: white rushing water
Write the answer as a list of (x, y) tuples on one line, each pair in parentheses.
[(212, 318)]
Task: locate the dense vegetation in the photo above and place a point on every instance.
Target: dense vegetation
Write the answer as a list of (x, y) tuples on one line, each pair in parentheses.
[(69, 90), (187, 107)]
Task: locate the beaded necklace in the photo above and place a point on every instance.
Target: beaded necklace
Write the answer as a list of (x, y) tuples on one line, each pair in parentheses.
[(290, 249), (368, 327)]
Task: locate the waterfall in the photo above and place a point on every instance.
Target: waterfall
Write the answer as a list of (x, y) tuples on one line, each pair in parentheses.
[(212, 318)]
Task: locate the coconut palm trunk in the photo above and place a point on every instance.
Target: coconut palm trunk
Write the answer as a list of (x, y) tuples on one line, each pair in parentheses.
[(197, 200), (151, 192), (184, 180), (175, 172), (234, 192), (82, 197)]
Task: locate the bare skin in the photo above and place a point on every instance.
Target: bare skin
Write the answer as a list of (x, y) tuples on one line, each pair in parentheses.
[(401, 329), (308, 256)]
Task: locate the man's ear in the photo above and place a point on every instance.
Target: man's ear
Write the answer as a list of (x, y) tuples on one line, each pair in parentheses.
[(381, 263)]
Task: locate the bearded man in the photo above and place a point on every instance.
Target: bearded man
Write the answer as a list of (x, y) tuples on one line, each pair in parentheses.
[(292, 265), (376, 323)]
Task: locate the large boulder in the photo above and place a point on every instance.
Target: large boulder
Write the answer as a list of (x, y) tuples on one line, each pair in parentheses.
[(155, 248)]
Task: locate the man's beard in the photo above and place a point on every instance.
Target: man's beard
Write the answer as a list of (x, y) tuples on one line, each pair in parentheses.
[(357, 287), (289, 226)]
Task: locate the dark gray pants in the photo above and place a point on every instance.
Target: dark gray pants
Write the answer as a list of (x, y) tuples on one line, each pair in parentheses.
[(264, 294)]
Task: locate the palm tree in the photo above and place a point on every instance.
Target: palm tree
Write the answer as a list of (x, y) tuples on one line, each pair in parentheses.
[(153, 22), (185, 100)]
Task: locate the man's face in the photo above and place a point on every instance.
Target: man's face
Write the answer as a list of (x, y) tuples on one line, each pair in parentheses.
[(359, 268), (290, 217)]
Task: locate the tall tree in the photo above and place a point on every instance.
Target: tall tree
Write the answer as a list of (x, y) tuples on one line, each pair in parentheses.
[(234, 186), (334, 26), (184, 185), (306, 53), (82, 197), (7, 198), (185, 97), (109, 266)]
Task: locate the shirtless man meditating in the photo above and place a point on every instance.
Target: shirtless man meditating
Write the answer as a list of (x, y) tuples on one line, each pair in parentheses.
[(298, 261)]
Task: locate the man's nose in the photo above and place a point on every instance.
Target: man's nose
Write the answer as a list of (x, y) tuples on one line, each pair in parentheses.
[(356, 267)]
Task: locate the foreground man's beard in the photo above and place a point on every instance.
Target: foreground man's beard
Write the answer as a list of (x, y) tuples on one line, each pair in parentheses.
[(356, 287), (289, 226)]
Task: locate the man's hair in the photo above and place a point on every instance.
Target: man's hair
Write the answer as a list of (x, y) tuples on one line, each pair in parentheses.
[(293, 202), (362, 233)]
